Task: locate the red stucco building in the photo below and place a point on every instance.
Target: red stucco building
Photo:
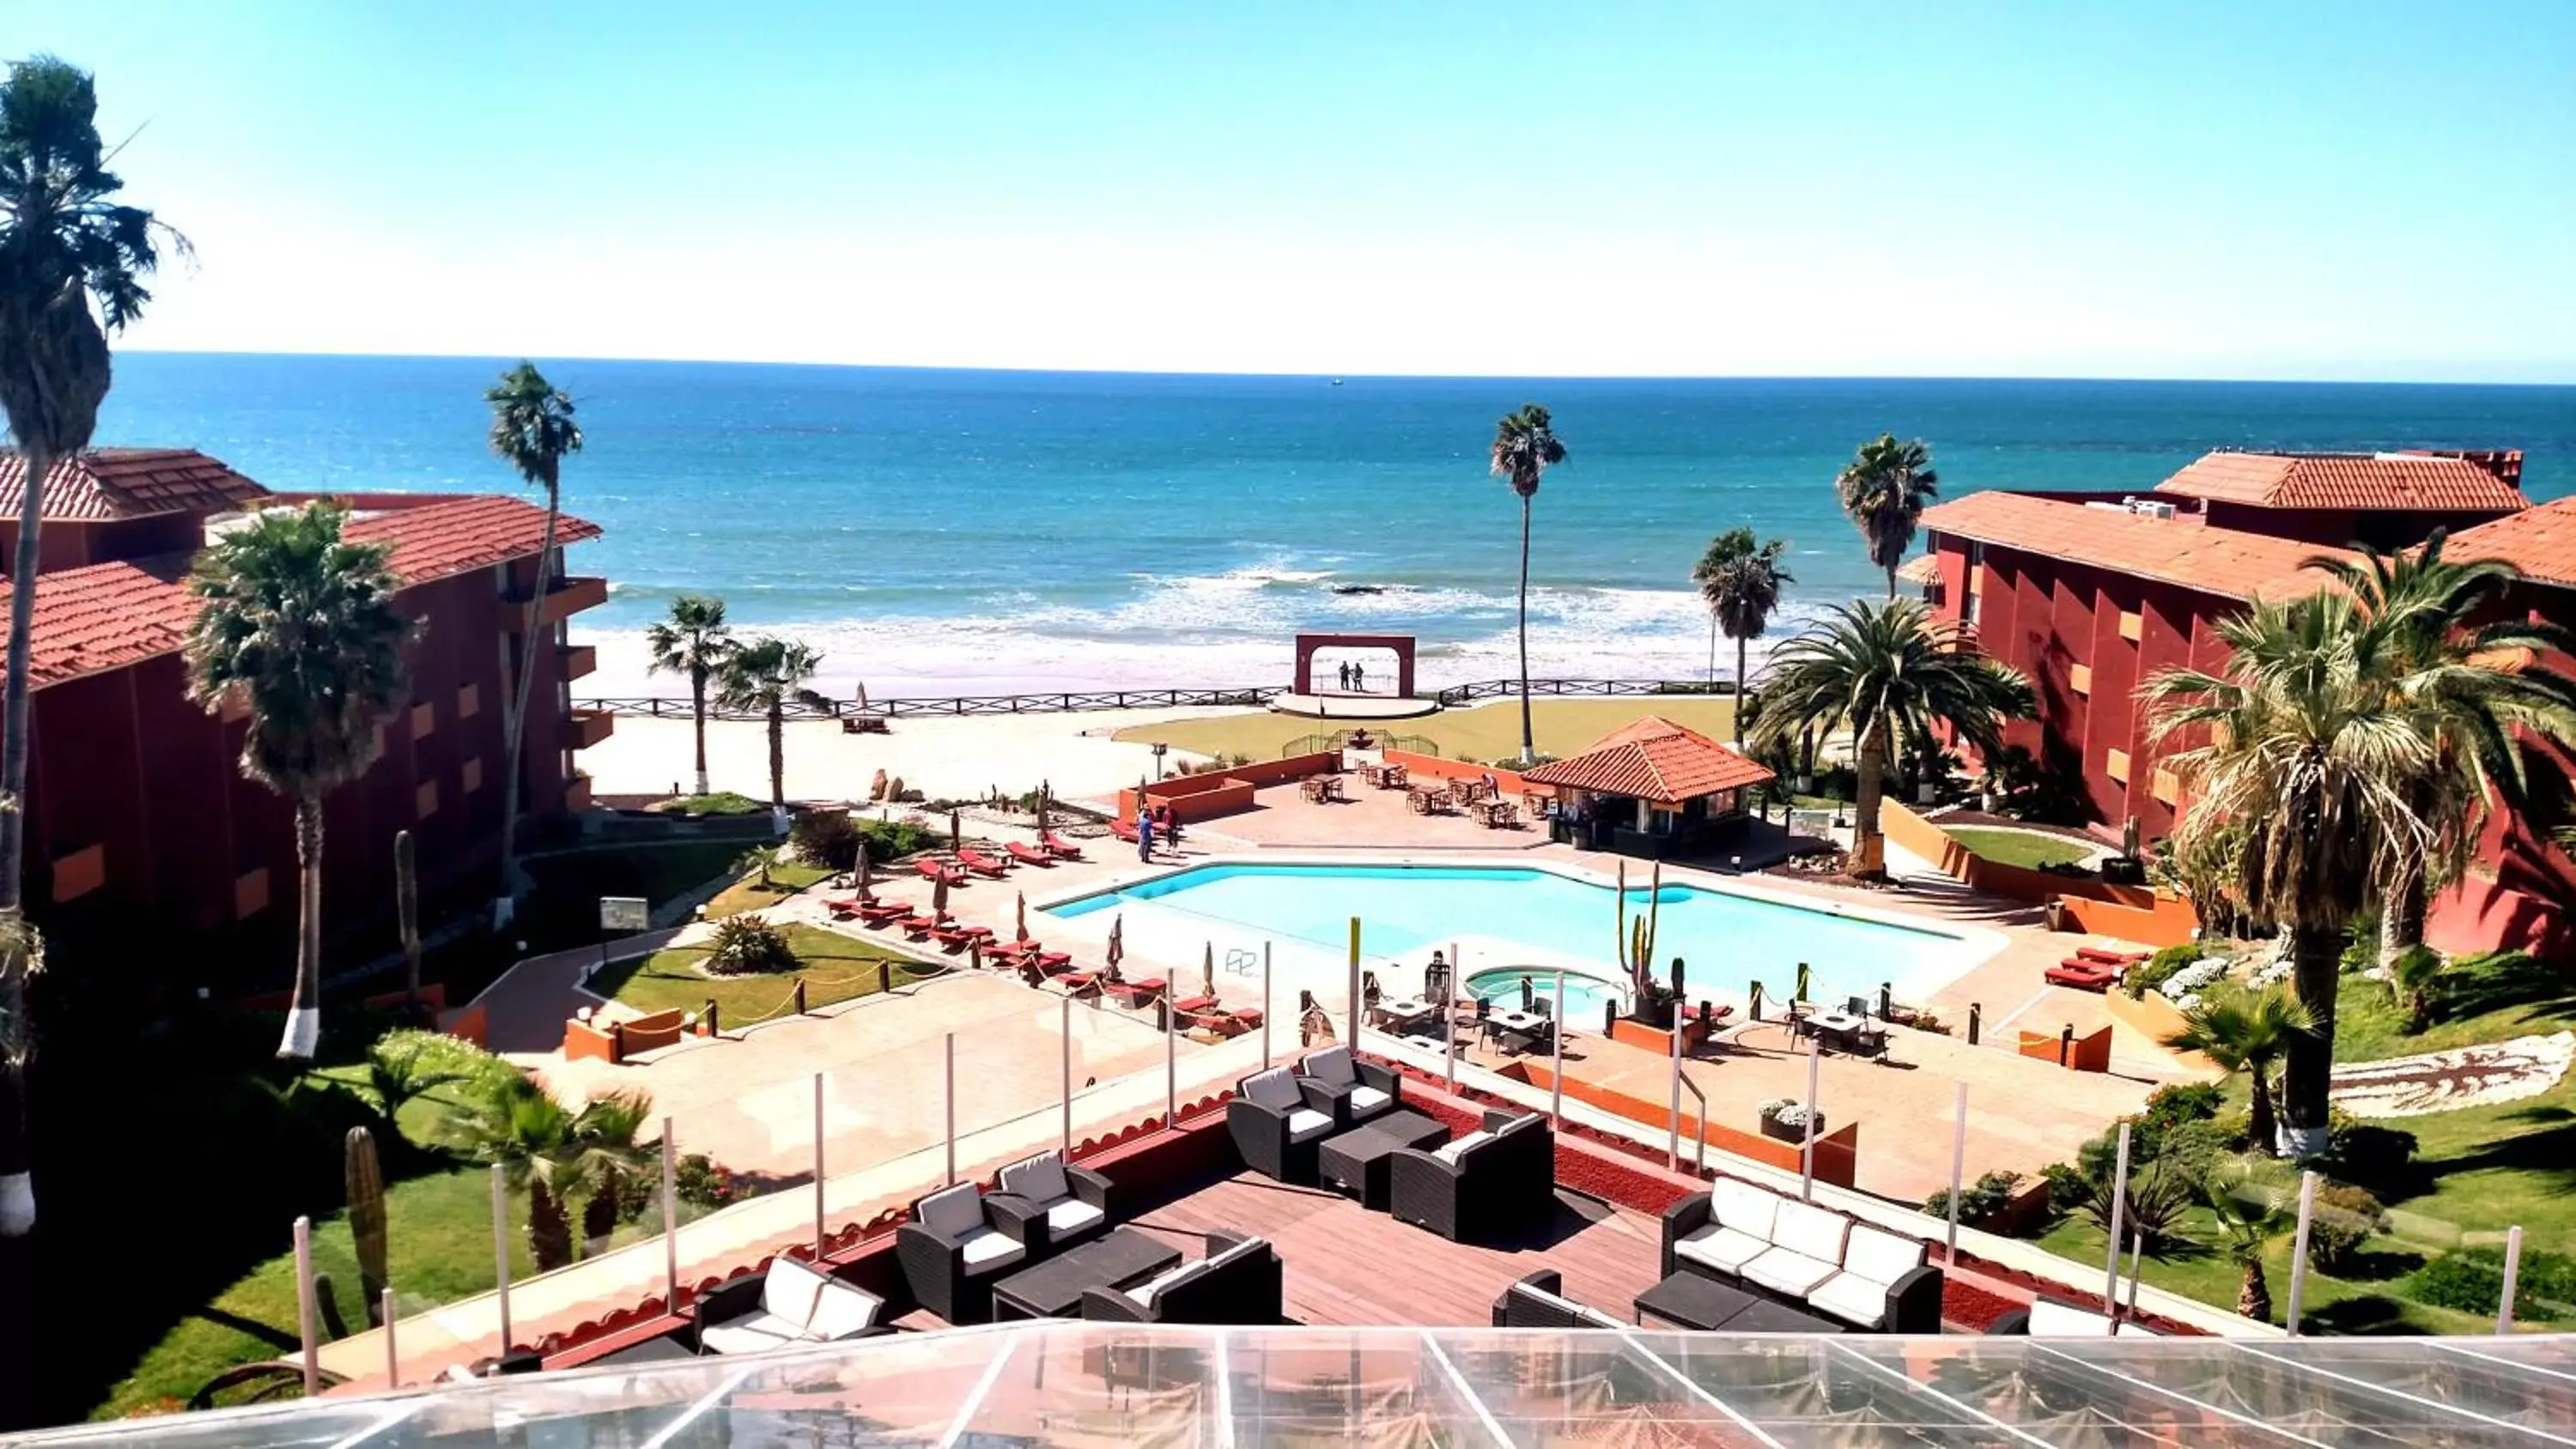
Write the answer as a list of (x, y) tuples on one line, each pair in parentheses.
[(138, 818), (2089, 594)]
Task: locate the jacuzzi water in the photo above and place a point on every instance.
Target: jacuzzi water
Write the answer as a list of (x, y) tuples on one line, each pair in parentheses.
[(1729, 940), (1585, 996)]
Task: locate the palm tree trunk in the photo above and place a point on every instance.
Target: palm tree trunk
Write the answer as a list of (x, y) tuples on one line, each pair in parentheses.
[(2401, 918), (777, 757), (1740, 695), (304, 1004), (1712, 653), (530, 643), (1891, 583), (599, 1214), (2316, 959), (549, 1226), (1529, 739), (1869, 852), (2260, 1127), (698, 711), (2254, 1296), (13, 714)]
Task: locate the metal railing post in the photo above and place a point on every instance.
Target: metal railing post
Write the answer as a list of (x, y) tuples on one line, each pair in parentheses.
[(1171, 1061), (1807, 1138), (393, 1357), (2119, 1212), (501, 1248), (2512, 1274), (1067, 1056), (1958, 1167), (1354, 1013), (948, 1096), (818, 1167), (1673, 1139), (1556, 1057), (2298, 1250), (670, 1219), (1265, 1006), (306, 1328)]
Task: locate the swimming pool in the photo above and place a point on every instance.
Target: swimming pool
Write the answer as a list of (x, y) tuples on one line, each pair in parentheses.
[(1585, 995), (1729, 939)]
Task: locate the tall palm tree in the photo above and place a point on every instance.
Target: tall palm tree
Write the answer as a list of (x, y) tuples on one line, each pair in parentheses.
[(2246, 1029), (763, 675), (532, 430), (2478, 689), (2302, 798), (1740, 579), (605, 1157), (693, 641), (66, 248), (300, 624), (1525, 447), (1886, 673), (530, 1135), (1884, 488)]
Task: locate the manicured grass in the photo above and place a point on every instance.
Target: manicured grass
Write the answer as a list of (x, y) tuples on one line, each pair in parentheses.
[(836, 968), (2487, 1001), (2028, 849), (1487, 732), (721, 802), (747, 894), (2330, 1304)]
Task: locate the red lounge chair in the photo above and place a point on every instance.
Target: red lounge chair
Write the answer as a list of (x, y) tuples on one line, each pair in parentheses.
[(1076, 982), (1055, 963), (1136, 991), (882, 913), (954, 936), (1250, 1016), (932, 870), (918, 926), (1026, 856), (1123, 830), (2081, 974), (1008, 949), (982, 864), (1193, 1004), (1059, 847), (2114, 959)]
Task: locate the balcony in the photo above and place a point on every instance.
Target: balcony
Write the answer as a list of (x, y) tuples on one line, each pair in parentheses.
[(577, 660), (586, 727), (567, 598)]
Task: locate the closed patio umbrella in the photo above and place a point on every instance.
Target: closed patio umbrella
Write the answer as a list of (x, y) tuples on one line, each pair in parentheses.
[(1207, 972), (956, 834), (864, 863), (1023, 910), (939, 896), (1117, 941)]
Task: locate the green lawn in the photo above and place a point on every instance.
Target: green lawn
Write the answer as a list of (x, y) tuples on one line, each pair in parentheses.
[(748, 894), (2025, 848), (836, 968), (1487, 732), (719, 802)]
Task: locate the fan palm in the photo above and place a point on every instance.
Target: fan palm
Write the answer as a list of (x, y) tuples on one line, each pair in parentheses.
[(66, 247), (1886, 672), (1884, 488), (762, 675), (2414, 975), (532, 430), (1525, 447), (693, 641), (530, 1136), (2250, 1206), (2246, 1029), (2303, 798), (2480, 692), (1740, 579), (606, 1157), (300, 625)]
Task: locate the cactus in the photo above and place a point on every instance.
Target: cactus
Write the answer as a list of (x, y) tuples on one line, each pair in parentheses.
[(1677, 978), (366, 1193), (407, 912), (1636, 939)]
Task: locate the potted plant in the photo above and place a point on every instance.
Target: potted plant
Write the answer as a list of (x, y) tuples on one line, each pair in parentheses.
[(1784, 1119)]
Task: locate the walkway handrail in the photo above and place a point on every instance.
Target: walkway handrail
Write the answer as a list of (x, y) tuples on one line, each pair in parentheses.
[(677, 706), (1702, 1099)]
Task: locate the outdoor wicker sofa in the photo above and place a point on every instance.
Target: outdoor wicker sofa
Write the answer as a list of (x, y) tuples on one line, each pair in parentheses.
[(1539, 1301), (2049, 1318), (1237, 1283), (788, 1303), (1804, 1255), (1489, 1182), (959, 1241)]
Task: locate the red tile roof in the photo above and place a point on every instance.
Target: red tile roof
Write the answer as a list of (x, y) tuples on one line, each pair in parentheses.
[(2344, 480), (110, 615), (2540, 541), (105, 484), (1653, 759), (2182, 551)]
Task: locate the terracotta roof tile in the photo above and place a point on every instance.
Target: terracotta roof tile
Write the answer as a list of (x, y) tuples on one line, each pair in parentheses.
[(110, 615), (2540, 541), (105, 484), (1653, 759), (2344, 480), (2183, 551)]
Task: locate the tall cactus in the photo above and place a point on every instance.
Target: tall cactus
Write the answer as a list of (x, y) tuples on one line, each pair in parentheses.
[(365, 1182), (407, 911), (1637, 937)]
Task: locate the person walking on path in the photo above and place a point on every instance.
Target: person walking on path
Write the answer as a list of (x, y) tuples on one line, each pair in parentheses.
[(1145, 834)]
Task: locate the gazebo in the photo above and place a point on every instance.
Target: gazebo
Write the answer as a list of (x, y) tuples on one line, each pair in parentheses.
[(1653, 788)]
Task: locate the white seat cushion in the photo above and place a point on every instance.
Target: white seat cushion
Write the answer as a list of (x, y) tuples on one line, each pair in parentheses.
[(1070, 1216), (1244, 1249), (2049, 1319), (1145, 1292), (953, 1213), (1580, 1312), (1745, 1208), (1332, 1066), (842, 1311), (788, 1292), (1305, 1125), (1724, 1249), (1784, 1271), (757, 1334), (986, 1245), (1275, 1089), (1453, 1151), (1520, 1124), (1852, 1298), (1879, 1256), (2131, 1328), (1811, 1232), (1040, 1179), (1369, 1101)]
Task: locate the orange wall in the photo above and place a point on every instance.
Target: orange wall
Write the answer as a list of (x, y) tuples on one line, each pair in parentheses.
[(1508, 781), (2088, 1054), (1223, 792), (1837, 1152), (2129, 913)]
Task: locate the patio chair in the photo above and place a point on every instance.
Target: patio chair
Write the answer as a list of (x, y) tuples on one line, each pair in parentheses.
[(882, 913), (1237, 1283), (1059, 847), (789, 1303), (933, 870), (1025, 856), (982, 864), (1273, 1129), (1348, 1088), (1075, 1200), (959, 1241), (1499, 1179), (1538, 1301)]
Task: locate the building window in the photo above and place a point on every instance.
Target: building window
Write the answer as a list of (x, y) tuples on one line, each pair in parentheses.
[(2116, 765), (469, 701), (424, 719), (424, 801), (473, 776), (2080, 679), (250, 893), (2167, 788), (2131, 625), (79, 873)]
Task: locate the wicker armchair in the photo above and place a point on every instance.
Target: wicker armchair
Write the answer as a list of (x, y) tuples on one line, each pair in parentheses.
[(1486, 1183), (1539, 1301), (959, 1241), (1074, 1202), (1347, 1088), (1238, 1282), (1273, 1129)]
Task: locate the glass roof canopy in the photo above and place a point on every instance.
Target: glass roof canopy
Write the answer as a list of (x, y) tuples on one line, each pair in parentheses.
[(1072, 1384)]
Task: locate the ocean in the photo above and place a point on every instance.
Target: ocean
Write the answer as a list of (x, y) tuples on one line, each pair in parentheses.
[(945, 532)]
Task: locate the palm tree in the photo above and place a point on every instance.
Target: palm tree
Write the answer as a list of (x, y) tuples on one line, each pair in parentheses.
[(1525, 447), (2250, 1207), (1740, 579), (2480, 692), (1886, 672), (1884, 488), (605, 1157), (2246, 1030), (693, 641), (762, 675), (2302, 799), (530, 1135), (300, 624), (66, 246), (2413, 977), (532, 431)]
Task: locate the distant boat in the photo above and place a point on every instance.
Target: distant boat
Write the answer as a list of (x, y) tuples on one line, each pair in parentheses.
[(1337, 382)]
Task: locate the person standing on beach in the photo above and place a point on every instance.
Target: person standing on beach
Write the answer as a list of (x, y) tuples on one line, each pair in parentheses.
[(1144, 833)]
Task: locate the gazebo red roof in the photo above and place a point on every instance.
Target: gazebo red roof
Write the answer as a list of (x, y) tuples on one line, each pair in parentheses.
[(1653, 759)]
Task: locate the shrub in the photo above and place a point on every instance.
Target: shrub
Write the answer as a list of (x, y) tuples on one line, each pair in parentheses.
[(890, 839), (2180, 1102), (701, 1183), (2346, 1217), (1980, 1201), (2472, 1281), (746, 944), (2154, 971), (2157, 1199), (2067, 1186), (2382, 1158), (1790, 1113), (722, 802), (828, 838)]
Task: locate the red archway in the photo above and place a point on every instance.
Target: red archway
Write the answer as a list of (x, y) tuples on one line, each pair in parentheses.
[(1402, 644)]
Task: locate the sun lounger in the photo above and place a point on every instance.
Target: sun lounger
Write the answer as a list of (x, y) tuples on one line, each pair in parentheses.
[(882, 913), (1124, 830), (1136, 990), (2113, 959), (1025, 856), (955, 936), (1059, 847), (918, 926), (2082, 974), (982, 864), (1193, 1003), (933, 870), (1076, 982)]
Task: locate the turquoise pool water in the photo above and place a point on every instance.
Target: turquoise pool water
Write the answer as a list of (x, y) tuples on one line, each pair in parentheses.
[(1586, 995), (1728, 940)]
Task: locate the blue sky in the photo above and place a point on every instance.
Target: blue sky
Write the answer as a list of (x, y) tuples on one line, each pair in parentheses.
[(2227, 190)]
